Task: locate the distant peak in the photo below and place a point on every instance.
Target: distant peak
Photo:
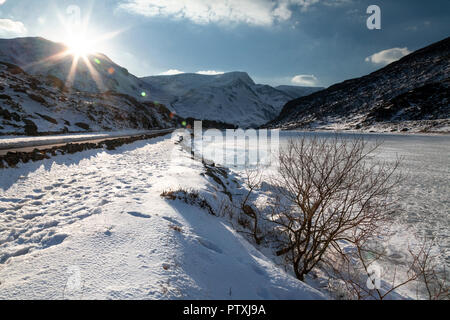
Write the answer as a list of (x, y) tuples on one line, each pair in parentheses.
[(227, 77), (237, 75)]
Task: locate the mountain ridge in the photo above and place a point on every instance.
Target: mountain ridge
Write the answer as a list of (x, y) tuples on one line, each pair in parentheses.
[(231, 97)]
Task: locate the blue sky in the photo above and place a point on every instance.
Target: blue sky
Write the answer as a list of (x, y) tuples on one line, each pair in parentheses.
[(302, 42)]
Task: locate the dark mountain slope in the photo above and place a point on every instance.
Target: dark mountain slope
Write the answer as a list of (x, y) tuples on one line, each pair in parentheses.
[(409, 94)]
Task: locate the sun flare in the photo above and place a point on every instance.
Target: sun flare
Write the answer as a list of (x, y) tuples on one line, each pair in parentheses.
[(79, 45)]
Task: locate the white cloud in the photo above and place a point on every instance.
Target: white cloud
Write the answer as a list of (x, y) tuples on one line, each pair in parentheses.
[(11, 28), (171, 72), (253, 12), (2, 2), (210, 72), (386, 57), (304, 80)]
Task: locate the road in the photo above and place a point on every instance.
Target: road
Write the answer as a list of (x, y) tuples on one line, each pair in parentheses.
[(28, 144)]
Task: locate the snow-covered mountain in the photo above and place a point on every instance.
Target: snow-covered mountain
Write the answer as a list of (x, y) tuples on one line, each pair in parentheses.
[(412, 94), (230, 97), (33, 105), (41, 57)]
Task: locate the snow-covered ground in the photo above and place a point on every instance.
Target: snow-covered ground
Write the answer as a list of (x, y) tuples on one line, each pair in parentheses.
[(93, 225)]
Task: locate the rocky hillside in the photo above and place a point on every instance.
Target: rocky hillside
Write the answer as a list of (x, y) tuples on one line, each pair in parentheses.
[(411, 94), (41, 57), (231, 97), (40, 105)]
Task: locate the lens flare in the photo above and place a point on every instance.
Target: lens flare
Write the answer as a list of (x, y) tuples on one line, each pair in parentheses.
[(81, 42), (79, 45)]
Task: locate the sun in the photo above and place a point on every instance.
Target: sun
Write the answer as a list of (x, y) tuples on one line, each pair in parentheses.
[(79, 45)]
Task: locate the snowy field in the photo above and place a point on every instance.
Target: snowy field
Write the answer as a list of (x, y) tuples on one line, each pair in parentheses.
[(93, 226)]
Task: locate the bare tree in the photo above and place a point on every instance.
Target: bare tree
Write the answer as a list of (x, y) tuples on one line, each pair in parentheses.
[(253, 178), (433, 278), (330, 193)]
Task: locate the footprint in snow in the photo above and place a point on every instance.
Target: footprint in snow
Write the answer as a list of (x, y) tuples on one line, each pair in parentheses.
[(13, 200), (210, 246), (31, 216), (139, 214), (35, 197), (54, 240)]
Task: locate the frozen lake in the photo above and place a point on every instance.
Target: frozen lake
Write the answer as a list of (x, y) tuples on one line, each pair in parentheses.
[(424, 194)]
